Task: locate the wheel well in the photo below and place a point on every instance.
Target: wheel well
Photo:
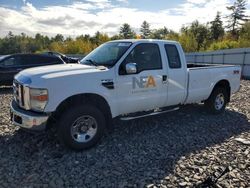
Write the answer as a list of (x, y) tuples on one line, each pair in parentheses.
[(224, 84), (89, 98)]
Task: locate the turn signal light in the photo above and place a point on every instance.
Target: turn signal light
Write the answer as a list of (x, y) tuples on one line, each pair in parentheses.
[(40, 97)]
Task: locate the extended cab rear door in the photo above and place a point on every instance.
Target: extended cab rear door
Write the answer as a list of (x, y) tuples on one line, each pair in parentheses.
[(177, 74), (146, 89)]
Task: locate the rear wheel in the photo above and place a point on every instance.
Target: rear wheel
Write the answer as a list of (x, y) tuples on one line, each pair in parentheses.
[(81, 127), (217, 101)]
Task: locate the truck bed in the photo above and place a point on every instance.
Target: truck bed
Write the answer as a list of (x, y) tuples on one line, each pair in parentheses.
[(203, 77)]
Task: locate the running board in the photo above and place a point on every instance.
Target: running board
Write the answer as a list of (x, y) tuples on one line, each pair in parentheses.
[(146, 115)]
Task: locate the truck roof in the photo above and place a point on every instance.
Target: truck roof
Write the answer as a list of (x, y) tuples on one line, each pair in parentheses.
[(145, 40)]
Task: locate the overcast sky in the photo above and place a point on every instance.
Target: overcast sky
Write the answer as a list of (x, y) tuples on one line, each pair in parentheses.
[(72, 18)]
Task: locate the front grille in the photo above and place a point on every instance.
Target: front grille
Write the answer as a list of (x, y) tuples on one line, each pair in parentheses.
[(18, 92), (22, 95)]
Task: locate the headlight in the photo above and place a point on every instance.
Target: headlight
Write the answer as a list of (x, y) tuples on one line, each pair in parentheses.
[(38, 99)]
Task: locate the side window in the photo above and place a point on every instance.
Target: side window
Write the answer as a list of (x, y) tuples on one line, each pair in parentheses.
[(10, 62), (24, 60), (31, 60), (42, 60), (49, 60), (54, 60), (36, 60), (173, 56), (146, 56)]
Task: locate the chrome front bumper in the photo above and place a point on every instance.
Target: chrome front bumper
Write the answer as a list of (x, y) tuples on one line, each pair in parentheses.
[(26, 119)]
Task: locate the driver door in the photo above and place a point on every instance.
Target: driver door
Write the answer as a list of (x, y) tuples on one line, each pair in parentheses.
[(145, 89)]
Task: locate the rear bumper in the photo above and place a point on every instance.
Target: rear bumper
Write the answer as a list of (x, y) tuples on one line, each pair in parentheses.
[(26, 119)]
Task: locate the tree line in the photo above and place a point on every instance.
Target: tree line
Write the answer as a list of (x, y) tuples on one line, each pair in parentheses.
[(214, 35)]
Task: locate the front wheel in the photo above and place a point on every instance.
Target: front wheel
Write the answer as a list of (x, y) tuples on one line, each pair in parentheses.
[(217, 101), (81, 127)]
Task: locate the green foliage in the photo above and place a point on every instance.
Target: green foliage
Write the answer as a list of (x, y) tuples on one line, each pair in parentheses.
[(115, 37), (244, 38), (200, 33), (58, 38), (159, 33), (81, 45), (145, 30), (172, 36), (237, 16), (216, 29), (126, 32), (196, 37), (24, 44), (18, 44), (188, 42), (99, 38), (225, 44)]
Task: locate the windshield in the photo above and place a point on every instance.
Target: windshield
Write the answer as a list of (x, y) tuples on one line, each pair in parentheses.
[(107, 54)]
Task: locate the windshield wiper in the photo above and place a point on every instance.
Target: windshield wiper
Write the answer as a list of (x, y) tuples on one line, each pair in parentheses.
[(92, 62)]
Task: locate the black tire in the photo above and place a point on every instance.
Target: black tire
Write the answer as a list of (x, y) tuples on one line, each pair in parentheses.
[(212, 106), (72, 115)]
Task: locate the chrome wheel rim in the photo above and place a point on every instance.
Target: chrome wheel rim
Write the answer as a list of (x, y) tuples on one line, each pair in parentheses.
[(84, 129), (219, 101)]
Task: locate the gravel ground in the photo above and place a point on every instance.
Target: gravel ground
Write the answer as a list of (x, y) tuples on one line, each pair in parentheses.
[(179, 149)]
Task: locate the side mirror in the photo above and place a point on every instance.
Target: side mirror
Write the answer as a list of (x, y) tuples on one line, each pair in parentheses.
[(131, 68)]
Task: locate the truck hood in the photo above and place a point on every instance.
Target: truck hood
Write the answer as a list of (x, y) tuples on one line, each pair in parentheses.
[(55, 71)]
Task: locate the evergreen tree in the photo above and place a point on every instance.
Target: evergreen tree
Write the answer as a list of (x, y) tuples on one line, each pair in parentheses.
[(10, 44), (126, 32), (40, 40), (58, 38), (216, 28), (237, 17), (145, 30)]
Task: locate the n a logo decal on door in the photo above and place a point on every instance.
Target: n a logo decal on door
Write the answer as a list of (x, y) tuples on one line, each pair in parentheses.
[(144, 82)]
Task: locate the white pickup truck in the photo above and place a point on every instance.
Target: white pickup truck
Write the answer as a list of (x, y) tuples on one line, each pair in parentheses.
[(128, 79)]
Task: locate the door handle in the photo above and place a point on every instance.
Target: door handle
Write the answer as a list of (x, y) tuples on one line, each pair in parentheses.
[(164, 78)]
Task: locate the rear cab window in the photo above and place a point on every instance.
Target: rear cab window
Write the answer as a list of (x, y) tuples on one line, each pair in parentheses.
[(173, 56)]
